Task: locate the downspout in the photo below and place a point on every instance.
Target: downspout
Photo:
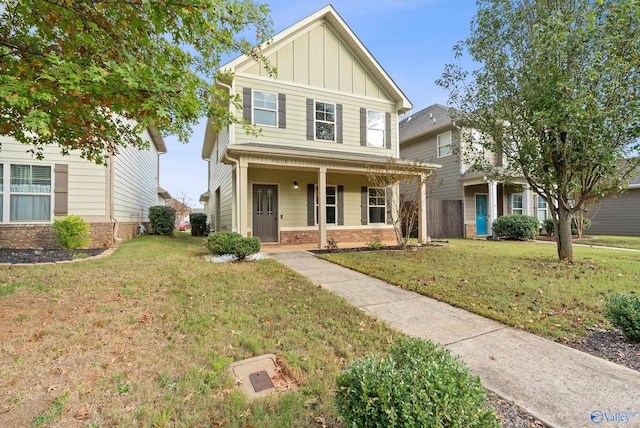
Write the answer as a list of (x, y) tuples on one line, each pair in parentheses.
[(112, 216)]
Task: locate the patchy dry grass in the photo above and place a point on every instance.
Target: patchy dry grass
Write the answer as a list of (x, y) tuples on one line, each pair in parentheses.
[(632, 242), (521, 284), (144, 338)]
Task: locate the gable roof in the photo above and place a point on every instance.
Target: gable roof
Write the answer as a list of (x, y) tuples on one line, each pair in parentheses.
[(433, 118), (329, 15)]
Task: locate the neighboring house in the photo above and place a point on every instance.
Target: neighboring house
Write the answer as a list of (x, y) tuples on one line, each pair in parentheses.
[(327, 120), (617, 215), (113, 199), (460, 192)]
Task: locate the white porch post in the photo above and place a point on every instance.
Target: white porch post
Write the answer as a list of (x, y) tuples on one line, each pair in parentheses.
[(422, 211), (493, 204), (322, 207), (242, 201), (527, 200)]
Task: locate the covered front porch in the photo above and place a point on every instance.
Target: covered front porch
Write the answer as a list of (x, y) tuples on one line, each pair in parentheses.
[(320, 198)]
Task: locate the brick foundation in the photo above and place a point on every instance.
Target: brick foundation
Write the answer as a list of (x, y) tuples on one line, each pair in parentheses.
[(27, 236), (342, 235)]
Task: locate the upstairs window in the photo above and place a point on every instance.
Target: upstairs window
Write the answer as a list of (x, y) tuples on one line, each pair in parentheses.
[(265, 108), (375, 128), (325, 121), (444, 144)]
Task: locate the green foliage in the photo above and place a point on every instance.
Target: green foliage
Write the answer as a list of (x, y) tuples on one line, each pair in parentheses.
[(575, 221), (623, 311), (162, 218), (71, 232), (548, 226), (375, 245), (243, 247), (555, 95), (220, 243), (418, 384), (198, 224), (73, 70), (516, 227)]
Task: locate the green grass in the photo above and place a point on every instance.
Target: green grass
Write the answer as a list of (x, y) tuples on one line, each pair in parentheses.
[(145, 338), (632, 242), (521, 284)]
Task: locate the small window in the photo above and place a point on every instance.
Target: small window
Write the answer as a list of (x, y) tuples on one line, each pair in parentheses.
[(444, 144), (516, 204), (377, 205), (325, 121), (375, 128), (30, 193), (265, 108), (1, 190), (331, 204), (541, 212)]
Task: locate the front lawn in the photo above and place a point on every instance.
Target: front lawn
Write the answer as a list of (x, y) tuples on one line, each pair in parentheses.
[(145, 337), (632, 242), (521, 284)]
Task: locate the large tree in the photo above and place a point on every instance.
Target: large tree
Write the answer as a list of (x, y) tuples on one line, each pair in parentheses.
[(89, 75), (556, 93)]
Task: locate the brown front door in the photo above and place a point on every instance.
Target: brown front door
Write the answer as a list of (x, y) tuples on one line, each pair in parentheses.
[(265, 212)]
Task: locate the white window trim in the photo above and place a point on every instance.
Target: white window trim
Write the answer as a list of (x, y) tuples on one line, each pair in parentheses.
[(545, 209), (513, 208), (316, 198), (438, 146), (384, 129), (254, 108), (384, 206), (334, 123), (6, 194)]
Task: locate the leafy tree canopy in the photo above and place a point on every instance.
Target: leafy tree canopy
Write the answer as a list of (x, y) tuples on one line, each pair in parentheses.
[(90, 75), (555, 95)]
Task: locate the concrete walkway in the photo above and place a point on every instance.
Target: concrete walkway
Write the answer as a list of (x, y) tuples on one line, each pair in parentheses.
[(559, 385)]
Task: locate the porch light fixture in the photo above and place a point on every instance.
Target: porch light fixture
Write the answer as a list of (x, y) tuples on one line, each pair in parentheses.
[(295, 184)]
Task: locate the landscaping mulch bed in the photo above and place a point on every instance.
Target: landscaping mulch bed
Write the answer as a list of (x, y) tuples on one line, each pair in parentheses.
[(8, 255), (610, 345)]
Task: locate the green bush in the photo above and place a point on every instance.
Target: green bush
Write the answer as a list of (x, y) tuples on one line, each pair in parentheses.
[(418, 384), (198, 223), (516, 227), (548, 226), (242, 247), (162, 218), (623, 310), (375, 245), (71, 232), (219, 243)]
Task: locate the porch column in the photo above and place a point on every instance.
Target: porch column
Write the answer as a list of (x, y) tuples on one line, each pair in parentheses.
[(527, 199), (242, 201), (322, 207), (493, 204), (422, 211)]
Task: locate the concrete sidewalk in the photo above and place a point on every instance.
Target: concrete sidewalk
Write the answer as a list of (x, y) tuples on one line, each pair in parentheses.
[(559, 385)]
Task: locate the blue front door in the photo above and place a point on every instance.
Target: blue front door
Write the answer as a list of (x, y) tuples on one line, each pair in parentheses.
[(481, 214)]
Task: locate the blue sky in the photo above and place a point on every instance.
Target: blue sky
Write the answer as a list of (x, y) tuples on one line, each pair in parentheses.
[(411, 39)]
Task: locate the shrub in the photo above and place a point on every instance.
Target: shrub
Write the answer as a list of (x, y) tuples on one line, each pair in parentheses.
[(162, 218), (419, 384), (548, 226), (198, 224), (516, 227), (375, 245), (71, 232), (219, 243), (242, 247), (623, 310), (586, 224)]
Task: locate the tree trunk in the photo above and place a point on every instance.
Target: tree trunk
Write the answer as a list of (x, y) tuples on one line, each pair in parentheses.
[(563, 235)]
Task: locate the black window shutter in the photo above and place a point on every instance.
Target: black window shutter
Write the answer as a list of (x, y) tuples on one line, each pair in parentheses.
[(282, 110), (389, 194), (363, 126), (310, 120), (340, 205), (364, 205), (339, 138), (387, 130), (246, 104), (311, 204), (61, 191)]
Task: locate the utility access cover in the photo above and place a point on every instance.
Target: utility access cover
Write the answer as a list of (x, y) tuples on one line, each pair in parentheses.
[(260, 381)]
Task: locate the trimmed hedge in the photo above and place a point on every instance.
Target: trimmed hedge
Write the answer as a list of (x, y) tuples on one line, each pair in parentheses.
[(71, 232), (198, 223), (163, 219), (623, 310), (243, 247), (418, 384), (219, 243), (516, 227)]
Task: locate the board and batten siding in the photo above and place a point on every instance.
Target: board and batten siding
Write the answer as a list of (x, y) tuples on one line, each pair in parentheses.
[(295, 133), (135, 186), (447, 184), (618, 215), (86, 181), (319, 58)]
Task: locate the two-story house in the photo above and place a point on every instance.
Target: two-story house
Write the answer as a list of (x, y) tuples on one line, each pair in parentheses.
[(327, 120), (114, 200), (431, 136)]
